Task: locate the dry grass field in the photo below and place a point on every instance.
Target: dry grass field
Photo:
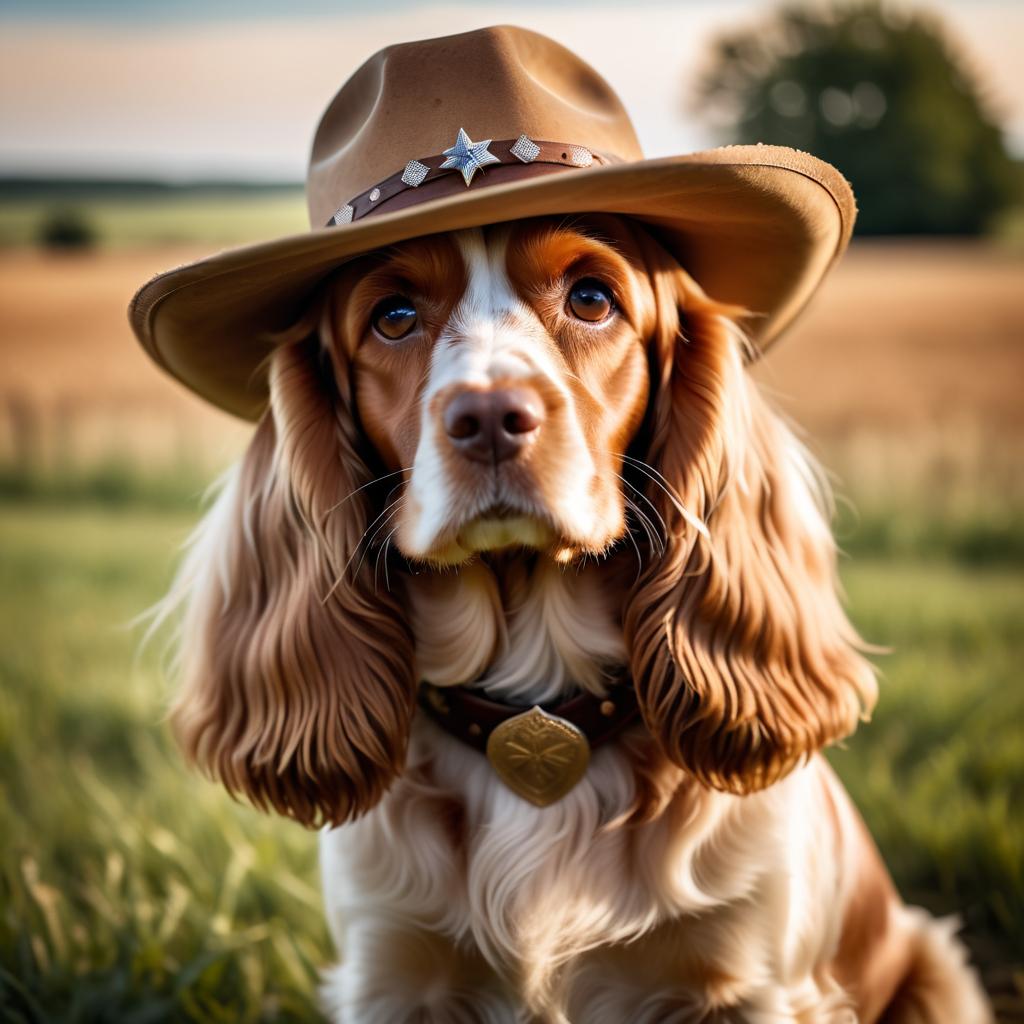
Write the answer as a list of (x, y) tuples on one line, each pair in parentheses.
[(908, 364), (907, 369), (910, 337), (75, 386)]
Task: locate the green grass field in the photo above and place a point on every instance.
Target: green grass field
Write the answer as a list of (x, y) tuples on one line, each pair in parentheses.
[(217, 219), (133, 891)]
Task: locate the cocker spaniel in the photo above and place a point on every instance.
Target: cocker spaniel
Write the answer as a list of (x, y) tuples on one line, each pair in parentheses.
[(524, 465)]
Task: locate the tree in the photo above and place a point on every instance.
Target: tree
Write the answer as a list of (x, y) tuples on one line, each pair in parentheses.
[(66, 228), (882, 96)]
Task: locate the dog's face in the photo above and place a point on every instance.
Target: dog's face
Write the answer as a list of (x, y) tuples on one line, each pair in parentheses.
[(562, 386), (501, 372)]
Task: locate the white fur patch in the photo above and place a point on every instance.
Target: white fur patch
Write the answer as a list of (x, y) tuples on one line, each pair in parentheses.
[(493, 335)]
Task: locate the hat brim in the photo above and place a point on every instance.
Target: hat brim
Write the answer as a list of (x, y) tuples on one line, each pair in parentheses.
[(756, 226)]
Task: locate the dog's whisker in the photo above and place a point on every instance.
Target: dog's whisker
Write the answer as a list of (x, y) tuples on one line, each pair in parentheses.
[(387, 574), (650, 504), (357, 548), (363, 487), (652, 474), (639, 560), (382, 552), (656, 540), (376, 533), (653, 540), (659, 480), (631, 506)]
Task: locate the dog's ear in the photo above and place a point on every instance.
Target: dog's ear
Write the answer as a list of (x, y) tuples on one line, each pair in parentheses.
[(743, 658), (298, 686)]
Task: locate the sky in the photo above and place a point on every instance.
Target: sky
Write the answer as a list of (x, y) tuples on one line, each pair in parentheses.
[(189, 89)]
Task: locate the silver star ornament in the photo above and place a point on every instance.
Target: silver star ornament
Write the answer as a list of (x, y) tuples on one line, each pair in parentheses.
[(467, 156)]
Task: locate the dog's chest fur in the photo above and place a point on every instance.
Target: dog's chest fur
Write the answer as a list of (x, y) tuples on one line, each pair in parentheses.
[(526, 631), (451, 851)]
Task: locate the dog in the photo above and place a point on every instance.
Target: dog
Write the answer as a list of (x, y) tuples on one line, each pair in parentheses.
[(527, 462)]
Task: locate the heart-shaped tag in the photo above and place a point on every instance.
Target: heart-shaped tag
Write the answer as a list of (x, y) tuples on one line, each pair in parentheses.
[(540, 757)]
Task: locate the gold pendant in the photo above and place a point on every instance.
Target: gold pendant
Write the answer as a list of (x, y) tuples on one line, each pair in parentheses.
[(540, 757)]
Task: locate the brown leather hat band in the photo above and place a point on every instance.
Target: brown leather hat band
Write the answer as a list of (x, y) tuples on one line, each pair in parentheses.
[(422, 178), (472, 718)]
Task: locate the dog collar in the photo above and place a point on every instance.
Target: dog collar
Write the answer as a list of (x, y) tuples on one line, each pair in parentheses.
[(540, 754)]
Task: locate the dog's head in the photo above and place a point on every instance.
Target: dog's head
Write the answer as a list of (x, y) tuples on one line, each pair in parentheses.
[(504, 372), (562, 386)]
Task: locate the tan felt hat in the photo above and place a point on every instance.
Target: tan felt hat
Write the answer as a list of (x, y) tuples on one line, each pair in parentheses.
[(478, 128)]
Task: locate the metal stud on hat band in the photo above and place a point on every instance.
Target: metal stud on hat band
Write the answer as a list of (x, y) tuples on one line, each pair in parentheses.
[(415, 173), (580, 157), (525, 149), (467, 157), (344, 215)]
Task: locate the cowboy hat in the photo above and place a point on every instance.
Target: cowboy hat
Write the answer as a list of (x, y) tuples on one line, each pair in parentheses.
[(487, 126)]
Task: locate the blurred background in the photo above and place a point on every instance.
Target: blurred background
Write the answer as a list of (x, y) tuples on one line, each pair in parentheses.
[(136, 137)]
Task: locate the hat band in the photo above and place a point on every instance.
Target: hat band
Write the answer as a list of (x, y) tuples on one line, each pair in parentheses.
[(523, 156)]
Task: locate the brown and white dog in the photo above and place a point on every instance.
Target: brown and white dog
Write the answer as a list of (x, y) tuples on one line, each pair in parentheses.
[(527, 458)]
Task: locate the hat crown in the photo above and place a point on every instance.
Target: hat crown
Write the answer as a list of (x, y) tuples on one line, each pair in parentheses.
[(408, 101)]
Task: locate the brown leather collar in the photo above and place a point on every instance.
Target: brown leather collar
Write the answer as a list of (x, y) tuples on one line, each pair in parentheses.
[(472, 718)]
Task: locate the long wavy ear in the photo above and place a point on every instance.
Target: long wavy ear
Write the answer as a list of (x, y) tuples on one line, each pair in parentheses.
[(743, 658), (298, 686)]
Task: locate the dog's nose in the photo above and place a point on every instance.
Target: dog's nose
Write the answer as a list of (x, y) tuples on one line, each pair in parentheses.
[(491, 426)]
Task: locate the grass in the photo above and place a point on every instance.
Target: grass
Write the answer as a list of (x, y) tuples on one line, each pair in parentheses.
[(110, 483), (939, 772), (980, 534), (217, 219), (132, 890)]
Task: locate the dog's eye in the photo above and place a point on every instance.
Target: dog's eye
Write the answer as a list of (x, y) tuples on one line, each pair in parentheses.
[(591, 300), (394, 317)]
